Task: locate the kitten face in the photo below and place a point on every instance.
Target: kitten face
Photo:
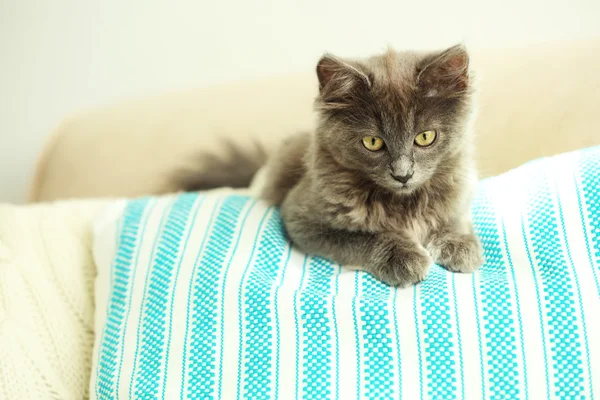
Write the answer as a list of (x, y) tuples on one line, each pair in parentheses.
[(395, 97)]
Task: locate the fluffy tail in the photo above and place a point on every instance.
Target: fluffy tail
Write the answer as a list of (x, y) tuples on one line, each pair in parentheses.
[(231, 167)]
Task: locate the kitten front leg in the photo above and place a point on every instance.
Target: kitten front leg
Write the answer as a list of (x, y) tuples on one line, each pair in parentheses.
[(392, 258), (398, 260), (456, 248)]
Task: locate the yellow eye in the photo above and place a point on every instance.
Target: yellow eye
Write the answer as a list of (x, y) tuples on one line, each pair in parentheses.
[(425, 139), (372, 143)]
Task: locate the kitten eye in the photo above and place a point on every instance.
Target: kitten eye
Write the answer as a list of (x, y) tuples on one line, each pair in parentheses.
[(425, 139), (372, 143)]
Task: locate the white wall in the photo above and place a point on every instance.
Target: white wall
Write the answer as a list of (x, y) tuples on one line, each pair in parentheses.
[(57, 56)]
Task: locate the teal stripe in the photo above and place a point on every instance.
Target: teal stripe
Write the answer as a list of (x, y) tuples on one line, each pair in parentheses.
[(168, 350), (154, 311), (255, 349), (438, 335), (297, 325), (499, 340), (578, 288), (518, 305), (202, 360), (418, 334), (134, 223), (356, 336), (276, 307), (460, 351), (224, 283), (564, 327), (316, 321), (586, 237), (126, 322), (118, 230), (127, 315), (201, 250), (375, 325), (398, 353), (590, 184), (479, 341), (539, 305), (138, 329), (335, 329)]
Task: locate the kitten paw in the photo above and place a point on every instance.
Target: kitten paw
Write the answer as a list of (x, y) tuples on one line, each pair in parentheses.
[(401, 266), (458, 253)]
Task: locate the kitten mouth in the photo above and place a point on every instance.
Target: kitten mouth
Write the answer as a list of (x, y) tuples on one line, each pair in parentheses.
[(404, 188), (396, 186), (399, 184)]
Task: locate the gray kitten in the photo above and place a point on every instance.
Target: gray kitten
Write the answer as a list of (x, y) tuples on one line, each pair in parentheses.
[(385, 181)]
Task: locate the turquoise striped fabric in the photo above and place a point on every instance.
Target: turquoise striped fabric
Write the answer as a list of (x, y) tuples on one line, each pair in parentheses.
[(201, 296)]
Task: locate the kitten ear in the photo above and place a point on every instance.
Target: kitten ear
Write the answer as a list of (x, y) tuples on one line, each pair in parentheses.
[(446, 73), (338, 79)]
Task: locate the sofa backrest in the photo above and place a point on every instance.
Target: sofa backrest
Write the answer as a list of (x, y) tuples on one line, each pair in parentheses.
[(533, 102)]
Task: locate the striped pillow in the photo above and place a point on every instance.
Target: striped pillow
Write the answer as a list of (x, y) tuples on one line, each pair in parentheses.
[(201, 296)]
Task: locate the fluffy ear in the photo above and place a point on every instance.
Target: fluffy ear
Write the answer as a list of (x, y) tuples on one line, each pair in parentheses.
[(446, 73), (338, 80)]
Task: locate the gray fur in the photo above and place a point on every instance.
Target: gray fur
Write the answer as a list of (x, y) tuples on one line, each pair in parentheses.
[(235, 168), (342, 201)]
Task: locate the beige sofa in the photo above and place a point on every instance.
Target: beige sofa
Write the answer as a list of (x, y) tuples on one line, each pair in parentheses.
[(534, 101)]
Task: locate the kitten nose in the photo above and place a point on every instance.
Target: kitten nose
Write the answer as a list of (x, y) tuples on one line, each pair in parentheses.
[(403, 178)]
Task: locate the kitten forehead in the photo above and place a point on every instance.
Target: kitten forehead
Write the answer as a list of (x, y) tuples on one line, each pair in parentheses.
[(392, 68), (395, 77)]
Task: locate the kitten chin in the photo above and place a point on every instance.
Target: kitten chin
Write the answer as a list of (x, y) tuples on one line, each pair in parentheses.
[(402, 202)]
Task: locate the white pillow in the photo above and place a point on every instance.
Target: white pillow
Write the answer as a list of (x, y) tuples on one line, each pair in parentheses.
[(205, 298)]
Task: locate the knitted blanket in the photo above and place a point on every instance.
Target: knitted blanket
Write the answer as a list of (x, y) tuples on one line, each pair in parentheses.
[(46, 300)]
